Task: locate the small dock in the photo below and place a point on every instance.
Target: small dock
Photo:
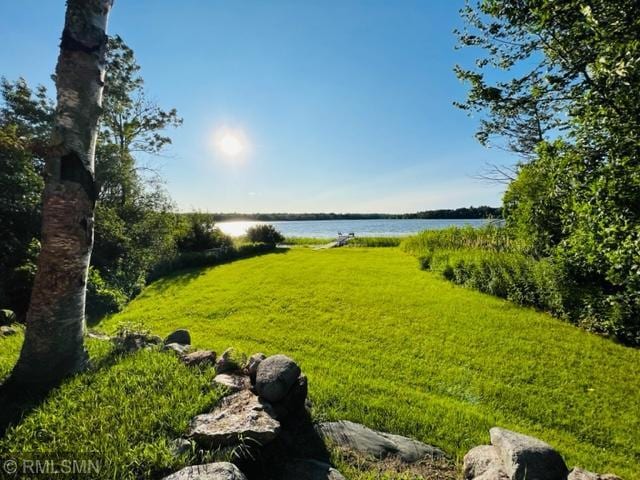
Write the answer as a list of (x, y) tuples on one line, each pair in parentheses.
[(341, 241)]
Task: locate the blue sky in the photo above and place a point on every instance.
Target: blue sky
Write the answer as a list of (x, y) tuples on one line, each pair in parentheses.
[(346, 105)]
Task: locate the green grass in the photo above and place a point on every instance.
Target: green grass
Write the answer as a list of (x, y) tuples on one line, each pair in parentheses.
[(382, 342), (123, 413), (307, 241), (402, 350)]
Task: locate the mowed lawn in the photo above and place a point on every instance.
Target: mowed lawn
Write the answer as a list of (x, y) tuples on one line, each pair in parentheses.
[(399, 349)]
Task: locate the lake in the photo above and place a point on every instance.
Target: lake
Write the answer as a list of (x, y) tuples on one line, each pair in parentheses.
[(361, 228)]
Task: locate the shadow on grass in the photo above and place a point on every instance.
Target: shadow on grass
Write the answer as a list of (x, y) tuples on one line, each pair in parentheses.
[(190, 269), (18, 400)]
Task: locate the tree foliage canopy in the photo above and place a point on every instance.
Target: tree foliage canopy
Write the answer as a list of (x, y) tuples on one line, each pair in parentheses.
[(570, 108), (134, 223)]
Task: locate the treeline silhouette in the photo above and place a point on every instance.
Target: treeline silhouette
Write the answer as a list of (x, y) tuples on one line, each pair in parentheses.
[(457, 213)]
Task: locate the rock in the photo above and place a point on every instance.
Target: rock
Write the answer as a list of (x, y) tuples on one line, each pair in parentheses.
[(252, 365), (493, 474), (208, 471), (179, 336), (180, 446), (228, 363), (178, 348), (7, 331), (295, 399), (233, 382), (527, 457), (579, 474), (377, 444), (482, 460), (240, 418), (98, 336), (200, 358), (308, 469), (7, 317), (132, 341), (275, 376)]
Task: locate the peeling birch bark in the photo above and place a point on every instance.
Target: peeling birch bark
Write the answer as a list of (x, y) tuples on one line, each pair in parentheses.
[(54, 345)]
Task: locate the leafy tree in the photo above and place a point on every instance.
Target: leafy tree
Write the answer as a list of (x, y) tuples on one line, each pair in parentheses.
[(134, 222), (199, 233), (573, 70), (20, 195), (132, 124)]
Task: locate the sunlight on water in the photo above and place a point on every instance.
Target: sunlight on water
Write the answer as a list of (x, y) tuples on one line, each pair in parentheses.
[(361, 228), (236, 228)]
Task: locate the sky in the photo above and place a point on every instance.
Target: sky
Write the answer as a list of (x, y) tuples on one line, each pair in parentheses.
[(322, 105)]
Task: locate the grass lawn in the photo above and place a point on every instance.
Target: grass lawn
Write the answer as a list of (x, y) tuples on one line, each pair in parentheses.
[(382, 342), (402, 350)]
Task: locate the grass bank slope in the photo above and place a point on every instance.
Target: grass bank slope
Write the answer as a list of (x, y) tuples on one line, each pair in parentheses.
[(398, 349)]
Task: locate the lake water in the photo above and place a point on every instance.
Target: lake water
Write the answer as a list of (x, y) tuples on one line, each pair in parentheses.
[(361, 228)]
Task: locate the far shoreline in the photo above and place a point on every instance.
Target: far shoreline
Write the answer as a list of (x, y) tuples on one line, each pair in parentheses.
[(465, 213)]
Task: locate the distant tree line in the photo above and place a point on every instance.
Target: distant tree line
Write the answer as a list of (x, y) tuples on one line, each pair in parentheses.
[(457, 213)]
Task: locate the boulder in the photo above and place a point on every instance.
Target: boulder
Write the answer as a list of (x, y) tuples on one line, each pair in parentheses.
[(208, 471), (579, 474), (180, 446), (240, 418), (233, 382), (308, 469), (275, 377), (252, 365), (179, 336), (133, 341), (178, 348), (484, 460), (6, 331), (493, 474), (7, 317), (295, 400), (200, 358), (228, 363), (377, 444), (527, 457), (99, 336)]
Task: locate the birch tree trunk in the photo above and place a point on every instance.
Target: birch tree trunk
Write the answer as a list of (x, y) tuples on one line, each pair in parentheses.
[(54, 345)]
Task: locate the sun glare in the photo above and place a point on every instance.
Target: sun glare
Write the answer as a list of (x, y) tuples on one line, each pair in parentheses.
[(230, 143)]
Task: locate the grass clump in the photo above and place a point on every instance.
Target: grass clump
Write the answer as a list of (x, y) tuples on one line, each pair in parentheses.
[(375, 242), (122, 414), (306, 241), (514, 276), (489, 238), (405, 351), (488, 260)]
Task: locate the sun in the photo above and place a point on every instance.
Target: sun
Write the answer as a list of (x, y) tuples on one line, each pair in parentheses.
[(230, 143)]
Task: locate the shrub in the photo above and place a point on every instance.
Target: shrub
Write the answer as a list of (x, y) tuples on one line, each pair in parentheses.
[(207, 258), (490, 237), (487, 260), (101, 298), (264, 233)]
